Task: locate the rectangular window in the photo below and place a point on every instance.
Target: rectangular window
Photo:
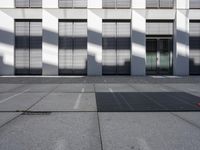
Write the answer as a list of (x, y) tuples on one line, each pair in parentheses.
[(72, 47), (159, 27), (28, 3), (116, 47), (28, 47), (195, 47), (73, 3), (116, 3), (195, 4), (160, 3)]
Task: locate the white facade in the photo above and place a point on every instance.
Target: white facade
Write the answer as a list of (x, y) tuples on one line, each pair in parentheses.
[(138, 14)]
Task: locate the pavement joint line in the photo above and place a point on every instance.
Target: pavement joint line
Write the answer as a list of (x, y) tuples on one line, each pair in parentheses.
[(8, 98), (78, 100), (185, 120), (9, 121), (42, 98), (99, 127)]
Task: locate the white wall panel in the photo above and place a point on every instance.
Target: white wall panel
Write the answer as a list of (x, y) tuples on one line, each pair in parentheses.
[(182, 4), (7, 39), (139, 4), (181, 43), (50, 44), (94, 43), (94, 3), (138, 42), (50, 3), (7, 4)]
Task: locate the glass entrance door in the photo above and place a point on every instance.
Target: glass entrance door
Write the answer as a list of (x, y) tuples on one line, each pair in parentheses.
[(165, 55), (159, 56), (151, 59)]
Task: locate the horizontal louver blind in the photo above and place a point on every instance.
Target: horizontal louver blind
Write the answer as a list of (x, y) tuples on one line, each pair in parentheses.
[(73, 3), (159, 28), (152, 3), (73, 48), (160, 3), (65, 47), (166, 3), (109, 48), (80, 48), (21, 47), (195, 48), (195, 29), (123, 3), (35, 48), (28, 47), (80, 3), (123, 47), (36, 3), (22, 3), (194, 3), (109, 3), (65, 3)]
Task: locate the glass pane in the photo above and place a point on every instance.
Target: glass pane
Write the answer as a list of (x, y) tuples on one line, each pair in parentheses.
[(151, 59), (165, 49)]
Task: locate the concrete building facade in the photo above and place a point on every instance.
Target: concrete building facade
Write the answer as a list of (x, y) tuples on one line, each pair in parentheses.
[(99, 37)]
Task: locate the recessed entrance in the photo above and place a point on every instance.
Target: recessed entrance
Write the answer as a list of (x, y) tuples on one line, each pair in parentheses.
[(159, 55)]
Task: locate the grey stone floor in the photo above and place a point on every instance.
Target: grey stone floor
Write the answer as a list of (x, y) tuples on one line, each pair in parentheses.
[(35, 115)]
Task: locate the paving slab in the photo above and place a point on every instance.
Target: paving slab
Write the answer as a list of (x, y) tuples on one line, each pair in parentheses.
[(7, 116), (67, 102), (55, 131), (19, 101), (9, 87), (41, 88), (185, 87), (147, 131), (70, 88), (114, 88), (192, 117)]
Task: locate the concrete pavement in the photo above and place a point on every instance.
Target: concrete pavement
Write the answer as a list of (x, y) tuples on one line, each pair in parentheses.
[(66, 116)]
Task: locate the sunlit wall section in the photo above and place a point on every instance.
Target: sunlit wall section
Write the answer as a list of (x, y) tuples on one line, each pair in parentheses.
[(6, 44)]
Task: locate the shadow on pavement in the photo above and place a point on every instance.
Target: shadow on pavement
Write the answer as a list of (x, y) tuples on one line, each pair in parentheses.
[(146, 102)]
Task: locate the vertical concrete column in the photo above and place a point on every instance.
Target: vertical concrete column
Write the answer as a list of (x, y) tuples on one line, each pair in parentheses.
[(50, 3), (94, 44), (138, 43), (7, 40), (7, 3), (181, 39), (94, 38), (139, 4), (94, 3), (50, 43), (182, 4)]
